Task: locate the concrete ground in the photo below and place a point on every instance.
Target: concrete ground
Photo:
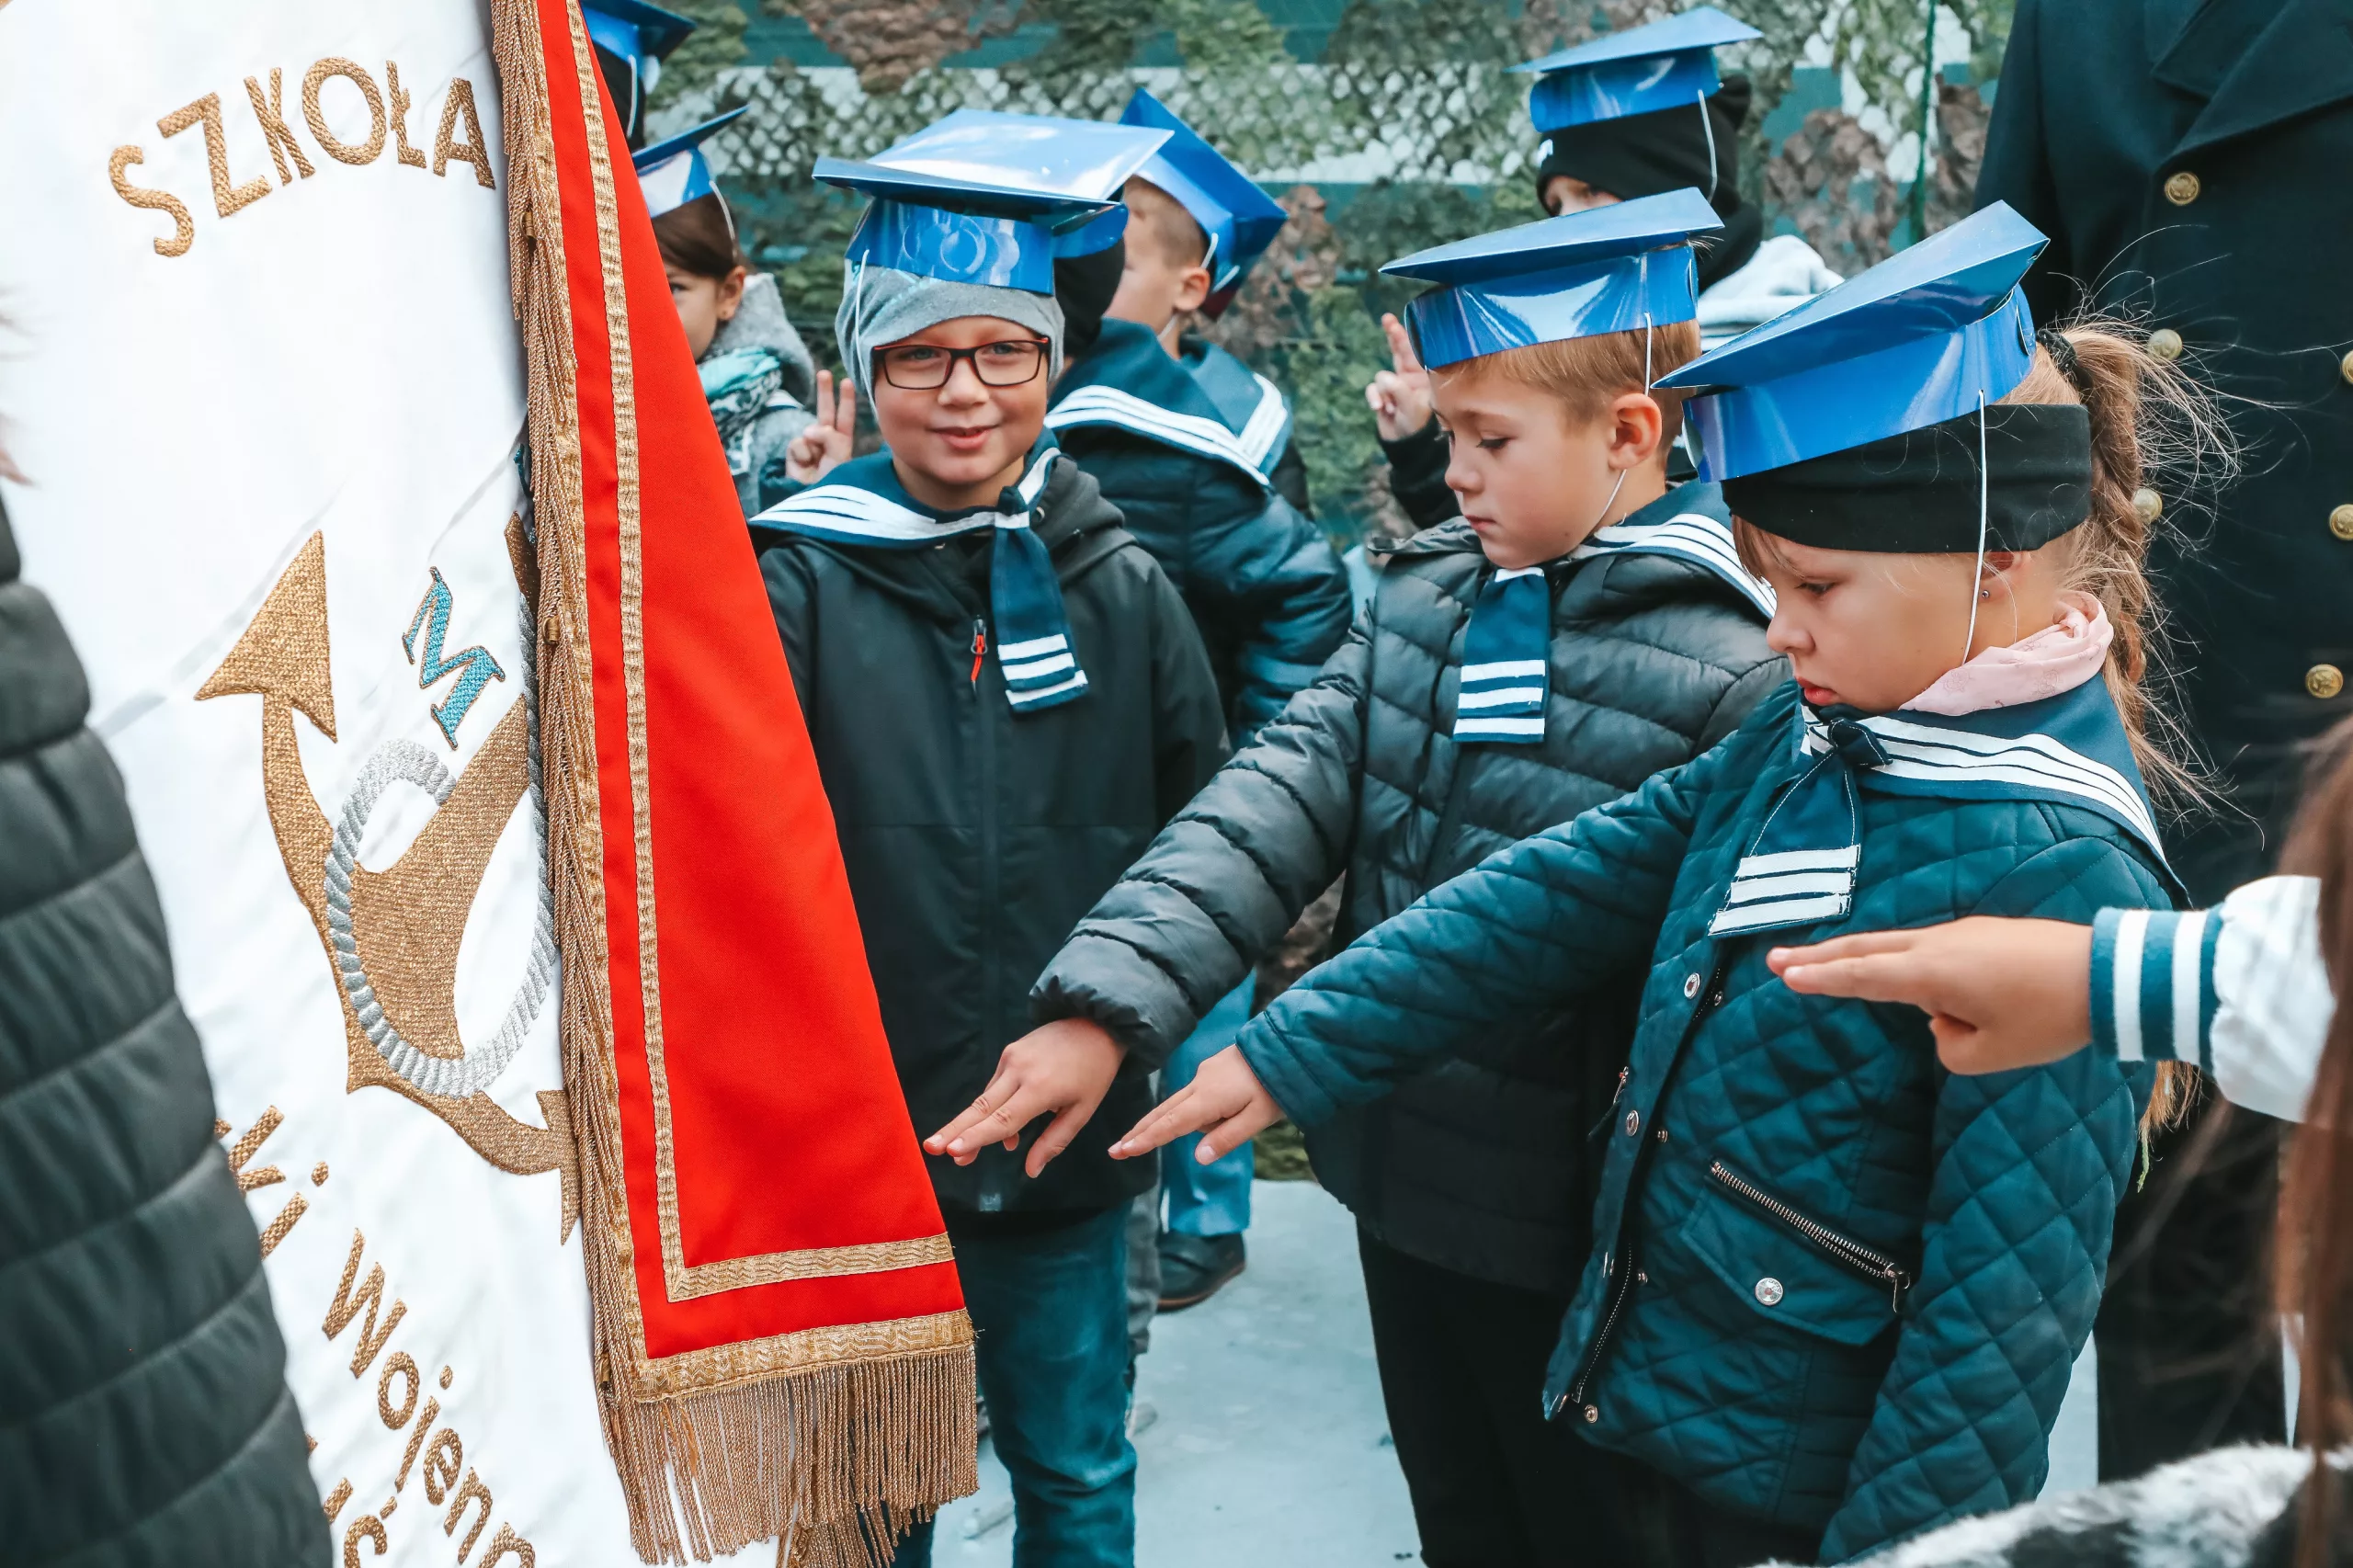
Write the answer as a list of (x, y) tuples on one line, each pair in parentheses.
[(1266, 1441), (1262, 1440)]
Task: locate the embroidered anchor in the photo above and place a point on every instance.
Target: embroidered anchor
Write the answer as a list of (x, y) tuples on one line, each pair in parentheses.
[(474, 667), (391, 937)]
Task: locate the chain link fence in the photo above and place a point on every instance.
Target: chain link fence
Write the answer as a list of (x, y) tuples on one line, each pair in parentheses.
[(1406, 129)]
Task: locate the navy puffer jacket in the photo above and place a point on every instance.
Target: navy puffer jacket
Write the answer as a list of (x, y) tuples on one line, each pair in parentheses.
[(1477, 1165), (1833, 1287), (144, 1417)]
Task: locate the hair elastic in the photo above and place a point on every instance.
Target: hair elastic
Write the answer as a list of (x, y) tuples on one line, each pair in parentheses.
[(1708, 134), (2062, 355), (1976, 595)]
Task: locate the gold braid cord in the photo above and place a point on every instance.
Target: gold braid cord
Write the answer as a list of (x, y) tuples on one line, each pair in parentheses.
[(833, 1441)]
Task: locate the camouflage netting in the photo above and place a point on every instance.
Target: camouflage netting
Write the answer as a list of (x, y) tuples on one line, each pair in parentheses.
[(1406, 131)]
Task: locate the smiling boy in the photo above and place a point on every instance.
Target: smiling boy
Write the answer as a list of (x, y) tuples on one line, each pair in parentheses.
[(1007, 699)]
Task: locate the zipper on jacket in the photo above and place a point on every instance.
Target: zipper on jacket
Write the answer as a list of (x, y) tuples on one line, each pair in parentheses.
[(1843, 1251), (1626, 1261), (984, 722)]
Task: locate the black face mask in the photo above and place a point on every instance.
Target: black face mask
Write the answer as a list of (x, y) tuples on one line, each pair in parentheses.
[(1648, 154), (1917, 493), (1082, 287)]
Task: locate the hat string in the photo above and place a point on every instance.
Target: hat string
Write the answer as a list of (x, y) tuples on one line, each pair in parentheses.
[(1977, 595), (1708, 134)]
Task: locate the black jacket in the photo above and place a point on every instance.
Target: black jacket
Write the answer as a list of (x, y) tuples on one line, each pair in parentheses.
[(143, 1411), (1268, 592), (2187, 163), (1417, 475), (974, 837), (1477, 1165)]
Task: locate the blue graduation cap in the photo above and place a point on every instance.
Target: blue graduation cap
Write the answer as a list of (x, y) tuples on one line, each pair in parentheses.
[(676, 172), (1927, 335), (633, 38), (1240, 220), (1611, 268), (982, 197), (1667, 64)]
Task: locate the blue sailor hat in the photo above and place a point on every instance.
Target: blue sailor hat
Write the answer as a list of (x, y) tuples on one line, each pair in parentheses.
[(1666, 64), (987, 197), (1240, 220), (1611, 268), (1930, 333), (676, 172)]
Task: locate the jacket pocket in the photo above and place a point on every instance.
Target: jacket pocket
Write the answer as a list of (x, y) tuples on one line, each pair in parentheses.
[(1792, 1269)]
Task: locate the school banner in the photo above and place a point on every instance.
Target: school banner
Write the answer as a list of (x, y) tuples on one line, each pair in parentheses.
[(500, 885)]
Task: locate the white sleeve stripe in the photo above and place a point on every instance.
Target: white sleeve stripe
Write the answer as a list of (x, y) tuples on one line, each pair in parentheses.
[(2189, 945), (2130, 932)]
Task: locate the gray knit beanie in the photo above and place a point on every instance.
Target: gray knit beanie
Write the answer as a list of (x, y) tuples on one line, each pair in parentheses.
[(882, 305)]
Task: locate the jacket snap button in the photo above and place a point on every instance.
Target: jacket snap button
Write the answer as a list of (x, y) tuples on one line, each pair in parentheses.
[(1768, 1290), (2181, 187), (1633, 1122), (2147, 505), (1690, 987), (2345, 367), (2340, 521), (2164, 343), (1592, 1414), (1659, 1133), (2324, 681)]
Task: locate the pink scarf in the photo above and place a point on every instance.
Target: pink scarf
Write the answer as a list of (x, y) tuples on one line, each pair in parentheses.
[(2060, 657)]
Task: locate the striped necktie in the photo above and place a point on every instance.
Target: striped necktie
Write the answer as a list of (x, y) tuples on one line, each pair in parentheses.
[(1506, 655)]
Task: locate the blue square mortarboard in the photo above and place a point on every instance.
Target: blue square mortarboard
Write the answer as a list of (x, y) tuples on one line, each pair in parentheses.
[(1240, 220), (1611, 268), (1930, 333), (981, 197), (1665, 64), (676, 172), (633, 30)]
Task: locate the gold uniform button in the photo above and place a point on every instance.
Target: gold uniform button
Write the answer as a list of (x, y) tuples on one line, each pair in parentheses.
[(2148, 506), (2345, 367), (2165, 343), (2324, 681), (2181, 187), (2340, 521)]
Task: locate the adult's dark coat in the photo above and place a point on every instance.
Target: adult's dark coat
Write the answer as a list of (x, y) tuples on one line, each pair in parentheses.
[(144, 1412), (974, 837), (1478, 1165), (2189, 164)]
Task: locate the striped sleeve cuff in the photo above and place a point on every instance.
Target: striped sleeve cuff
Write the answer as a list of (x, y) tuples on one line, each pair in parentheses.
[(2153, 984)]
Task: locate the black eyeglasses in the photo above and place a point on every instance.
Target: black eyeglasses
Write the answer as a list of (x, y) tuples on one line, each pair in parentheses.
[(924, 366)]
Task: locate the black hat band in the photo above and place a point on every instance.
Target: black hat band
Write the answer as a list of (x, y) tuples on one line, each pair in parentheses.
[(1918, 493)]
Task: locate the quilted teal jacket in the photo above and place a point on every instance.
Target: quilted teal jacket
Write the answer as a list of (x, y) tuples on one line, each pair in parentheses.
[(1846, 1289)]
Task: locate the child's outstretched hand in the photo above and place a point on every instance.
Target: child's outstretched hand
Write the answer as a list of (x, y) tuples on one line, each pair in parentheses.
[(1064, 1068), (823, 444), (1999, 993), (1225, 1103), (1400, 397)]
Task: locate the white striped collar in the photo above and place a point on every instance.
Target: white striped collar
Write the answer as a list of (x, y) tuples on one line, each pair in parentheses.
[(1690, 535), (1247, 451), (852, 509)]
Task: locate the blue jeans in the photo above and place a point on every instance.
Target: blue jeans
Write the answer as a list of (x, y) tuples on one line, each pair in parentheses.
[(1049, 1314), (1211, 1200)]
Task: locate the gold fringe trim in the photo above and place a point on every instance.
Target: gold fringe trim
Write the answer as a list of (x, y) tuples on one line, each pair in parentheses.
[(835, 1462)]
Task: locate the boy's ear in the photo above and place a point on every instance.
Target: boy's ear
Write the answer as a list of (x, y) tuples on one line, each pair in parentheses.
[(1193, 290), (1637, 430)]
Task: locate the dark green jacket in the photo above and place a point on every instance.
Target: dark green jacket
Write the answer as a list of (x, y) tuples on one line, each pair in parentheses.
[(1759, 1135), (144, 1419), (1477, 1164), (2187, 163), (976, 837), (1264, 585)]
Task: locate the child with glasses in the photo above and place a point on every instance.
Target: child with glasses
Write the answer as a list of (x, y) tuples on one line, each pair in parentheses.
[(1007, 700)]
